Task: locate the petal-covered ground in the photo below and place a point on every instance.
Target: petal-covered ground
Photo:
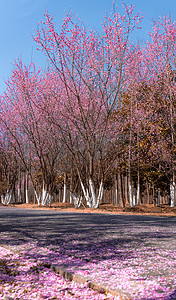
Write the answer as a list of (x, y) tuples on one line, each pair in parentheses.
[(22, 276), (139, 260)]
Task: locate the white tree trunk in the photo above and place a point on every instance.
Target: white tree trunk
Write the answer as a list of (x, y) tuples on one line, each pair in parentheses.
[(116, 196), (86, 195), (92, 201), (75, 200), (71, 198), (37, 197), (19, 195), (65, 187), (100, 195), (130, 194), (6, 199), (93, 195), (64, 195), (27, 198), (172, 194), (44, 195), (134, 196), (49, 198), (138, 193)]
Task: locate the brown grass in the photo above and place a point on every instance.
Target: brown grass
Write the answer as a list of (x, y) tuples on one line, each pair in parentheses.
[(163, 210)]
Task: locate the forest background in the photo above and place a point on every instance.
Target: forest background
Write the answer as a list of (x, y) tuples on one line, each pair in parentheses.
[(100, 117)]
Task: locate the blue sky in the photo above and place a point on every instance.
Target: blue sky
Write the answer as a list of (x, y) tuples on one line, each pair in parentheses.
[(19, 17)]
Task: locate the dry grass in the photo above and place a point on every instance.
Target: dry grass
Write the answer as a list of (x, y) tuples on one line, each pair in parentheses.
[(163, 210)]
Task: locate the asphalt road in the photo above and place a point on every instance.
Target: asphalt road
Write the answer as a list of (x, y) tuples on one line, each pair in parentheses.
[(51, 227), (80, 238)]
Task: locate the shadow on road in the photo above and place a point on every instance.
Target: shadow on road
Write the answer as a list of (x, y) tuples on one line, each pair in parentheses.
[(85, 237), (77, 239)]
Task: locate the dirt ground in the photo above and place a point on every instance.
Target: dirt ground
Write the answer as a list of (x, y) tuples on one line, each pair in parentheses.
[(163, 210)]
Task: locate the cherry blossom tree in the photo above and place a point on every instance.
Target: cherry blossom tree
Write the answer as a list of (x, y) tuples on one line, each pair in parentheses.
[(92, 72), (32, 138)]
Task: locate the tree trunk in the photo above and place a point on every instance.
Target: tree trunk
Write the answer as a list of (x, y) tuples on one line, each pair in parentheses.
[(138, 189), (27, 196), (159, 198), (130, 193), (19, 187), (148, 193), (65, 187), (134, 196), (116, 190), (126, 190), (172, 194)]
